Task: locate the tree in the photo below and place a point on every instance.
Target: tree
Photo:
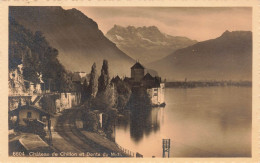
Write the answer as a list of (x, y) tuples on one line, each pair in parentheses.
[(139, 100), (103, 80), (90, 121), (84, 91), (109, 120), (105, 100), (37, 56), (47, 102), (93, 83), (106, 93), (29, 70), (123, 94)]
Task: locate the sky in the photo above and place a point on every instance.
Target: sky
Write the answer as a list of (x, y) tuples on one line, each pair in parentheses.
[(193, 22)]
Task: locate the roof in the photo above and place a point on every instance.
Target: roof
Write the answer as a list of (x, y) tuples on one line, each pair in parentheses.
[(32, 107), (116, 79), (137, 65), (127, 79), (76, 77), (32, 142), (148, 76)]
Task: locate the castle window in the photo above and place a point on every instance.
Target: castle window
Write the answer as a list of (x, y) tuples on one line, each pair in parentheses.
[(29, 114), (155, 94)]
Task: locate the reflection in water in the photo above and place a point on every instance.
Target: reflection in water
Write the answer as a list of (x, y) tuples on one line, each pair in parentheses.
[(201, 122), (143, 122), (143, 118)]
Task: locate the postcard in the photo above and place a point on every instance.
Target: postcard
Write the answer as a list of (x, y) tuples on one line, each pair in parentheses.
[(154, 80)]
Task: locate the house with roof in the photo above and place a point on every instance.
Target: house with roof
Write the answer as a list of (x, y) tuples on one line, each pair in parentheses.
[(30, 119)]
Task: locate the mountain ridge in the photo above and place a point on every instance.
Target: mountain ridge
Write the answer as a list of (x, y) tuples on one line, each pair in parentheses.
[(76, 36), (146, 43), (227, 57)]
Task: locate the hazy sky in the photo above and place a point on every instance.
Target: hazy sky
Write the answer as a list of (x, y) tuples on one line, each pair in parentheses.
[(196, 23)]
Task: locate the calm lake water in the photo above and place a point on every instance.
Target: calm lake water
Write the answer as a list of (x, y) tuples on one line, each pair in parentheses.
[(201, 122)]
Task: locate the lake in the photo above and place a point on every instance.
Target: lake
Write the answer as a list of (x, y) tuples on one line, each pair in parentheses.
[(201, 122)]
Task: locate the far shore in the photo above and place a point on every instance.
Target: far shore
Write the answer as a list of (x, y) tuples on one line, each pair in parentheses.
[(194, 84)]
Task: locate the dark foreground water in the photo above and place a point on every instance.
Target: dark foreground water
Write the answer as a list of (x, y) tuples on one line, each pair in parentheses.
[(201, 122)]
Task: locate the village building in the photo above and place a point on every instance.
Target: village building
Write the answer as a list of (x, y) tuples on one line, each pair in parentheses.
[(19, 86), (25, 95), (29, 112), (16, 82), (29, 118), (67, 100), (80, 77)]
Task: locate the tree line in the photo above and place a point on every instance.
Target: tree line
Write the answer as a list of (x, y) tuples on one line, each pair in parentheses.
[(39, 59), (104, 96)]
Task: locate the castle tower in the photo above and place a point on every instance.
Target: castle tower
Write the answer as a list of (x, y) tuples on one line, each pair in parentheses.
[(137, 72)]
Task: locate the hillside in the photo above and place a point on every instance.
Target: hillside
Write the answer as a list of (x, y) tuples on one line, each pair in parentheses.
[(146, 44), (77, 38), (39, 60), (228, 57)]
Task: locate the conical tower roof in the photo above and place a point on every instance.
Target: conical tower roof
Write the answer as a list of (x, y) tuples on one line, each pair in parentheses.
[(137, 65)]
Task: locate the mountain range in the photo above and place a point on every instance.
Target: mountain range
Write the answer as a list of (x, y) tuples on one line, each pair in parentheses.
[(146, 44), (78, 39), (80, 43), (228, 57)]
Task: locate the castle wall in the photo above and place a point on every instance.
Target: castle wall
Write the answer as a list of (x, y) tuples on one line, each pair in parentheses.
[(137, 74), (157, 94), (161, 93)]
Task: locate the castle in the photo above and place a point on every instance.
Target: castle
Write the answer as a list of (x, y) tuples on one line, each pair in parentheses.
[(153, 85)]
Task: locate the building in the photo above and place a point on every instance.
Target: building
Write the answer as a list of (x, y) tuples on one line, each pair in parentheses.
[(115, 79), (26, 112), (80, 77), (19, 86), (16, 81), (137, 72), (153, 85), (157, 95), (81, 74), (67, 100), (29, 118)]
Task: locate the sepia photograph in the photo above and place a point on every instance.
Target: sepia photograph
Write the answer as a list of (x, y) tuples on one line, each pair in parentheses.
[(144, 82)]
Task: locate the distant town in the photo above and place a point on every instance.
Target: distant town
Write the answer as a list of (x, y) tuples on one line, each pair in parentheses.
[(212, 83)]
